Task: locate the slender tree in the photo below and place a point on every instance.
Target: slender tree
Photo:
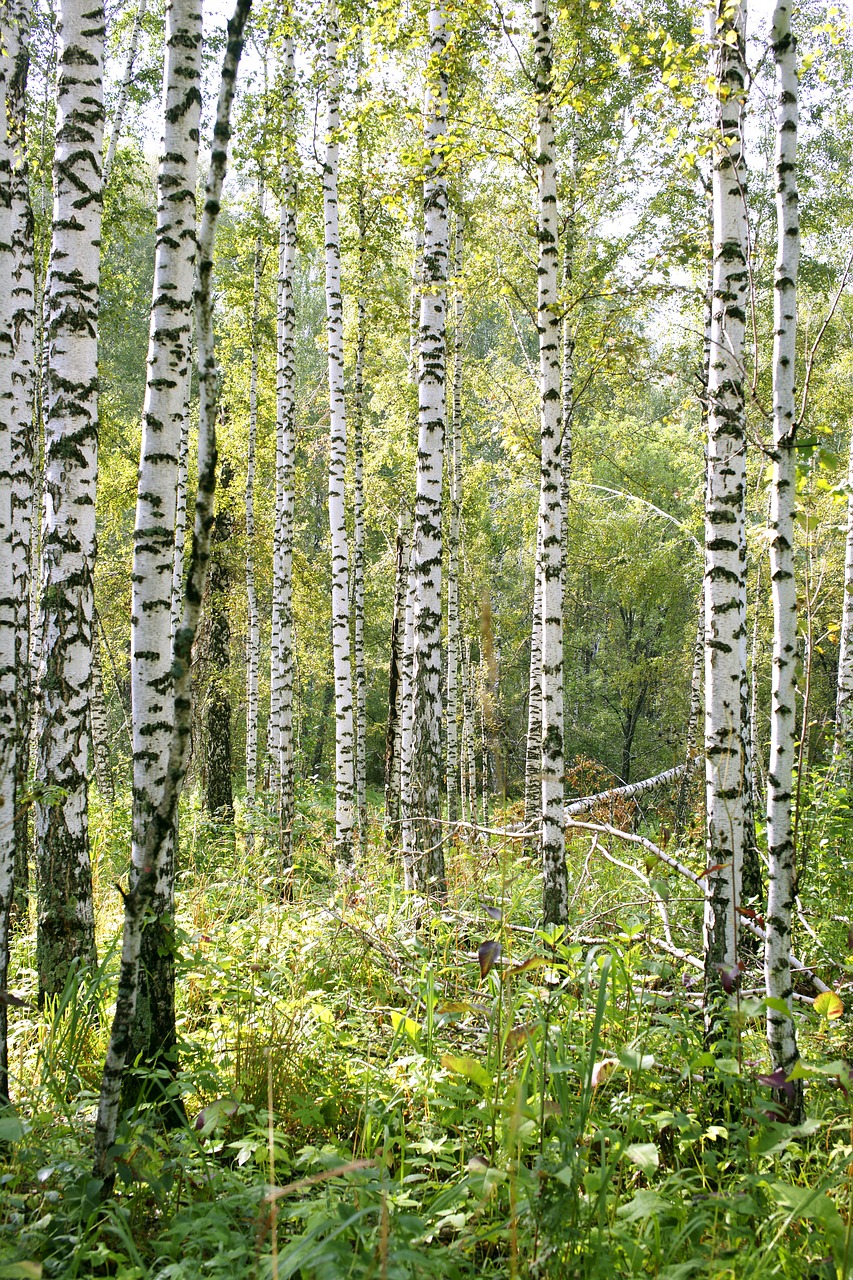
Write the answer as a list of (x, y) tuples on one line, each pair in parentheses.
[(8, 612), (164, 417), (124, 91), (725, 540), (550, 540), (281, 699), (781, 853), (138, 900), (66, 927), (219, 791), (427, 547), (16, 33), (453, 776), (843, 745), (253, 647), (344, 745)]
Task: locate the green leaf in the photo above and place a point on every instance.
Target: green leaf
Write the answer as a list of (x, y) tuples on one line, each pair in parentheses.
[(645, 1204), (644, 1155), (11, 1129), (828, 1005), (20, 1271), (470, 1068), (404, 1025), (777, 1005), (635, 1060)]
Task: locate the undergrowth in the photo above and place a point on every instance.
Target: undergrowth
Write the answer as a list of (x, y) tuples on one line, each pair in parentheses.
[(380, 1089)]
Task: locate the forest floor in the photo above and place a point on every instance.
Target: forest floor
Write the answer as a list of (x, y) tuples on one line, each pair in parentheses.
[(373, 1092)]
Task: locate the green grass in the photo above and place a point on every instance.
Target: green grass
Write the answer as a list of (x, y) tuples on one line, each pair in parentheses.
[(555, 1119)]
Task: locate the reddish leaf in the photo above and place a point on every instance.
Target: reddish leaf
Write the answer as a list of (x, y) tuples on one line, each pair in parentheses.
[(717, 866), (488, 953), (778, 1079), (730, 975)]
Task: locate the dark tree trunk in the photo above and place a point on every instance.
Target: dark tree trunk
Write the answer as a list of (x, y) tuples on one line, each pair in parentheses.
[(219, 796)]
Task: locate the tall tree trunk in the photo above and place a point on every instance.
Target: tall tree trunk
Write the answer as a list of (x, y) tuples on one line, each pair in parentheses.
[(253, 654), (344, 745), (23, 325), (139, 900), (99, 723), (554, 883), (426, 563), (533, 754), (842, 752), (127, 79), (281, 673), (358, 551), (453, 654), (66, 926), (181, 507), (782, 875), (162, 476), (219, 794), (411, 877), (399, 677), (8, 612), (725, 540)]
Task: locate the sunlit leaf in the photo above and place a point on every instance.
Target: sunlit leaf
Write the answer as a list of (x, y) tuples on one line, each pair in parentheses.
[(602, 1071), (488, 953), (635, 1060), (717, 866), (470, 1068), (407, 1026), (828, 1005), (644, 1155), (532, 962)]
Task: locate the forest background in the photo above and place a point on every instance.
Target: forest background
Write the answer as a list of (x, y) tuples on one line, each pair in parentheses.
[(335, 1025)]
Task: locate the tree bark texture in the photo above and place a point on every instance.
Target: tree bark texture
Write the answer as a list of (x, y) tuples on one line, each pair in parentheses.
[(66, 931), (344, 743), (725, 540), (452, 773), (219, 792), (554, 882), (139, 899), (253, 648), (432, 407), (161, 486), (781, 853), (127, 80)]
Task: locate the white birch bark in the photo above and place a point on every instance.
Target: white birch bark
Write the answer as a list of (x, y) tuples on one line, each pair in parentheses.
[(432, 408), (181, 511), (99, 724), (16, 33), (725, 541), (344, 744), (8, 611), (154, 552), (411, 877), (554, 882), (453, 653), (843, 744), (358, 554), (65, 914), (158, 834), (282, 666), (533, 754), (781, 853), (253, 654), (127, 80)]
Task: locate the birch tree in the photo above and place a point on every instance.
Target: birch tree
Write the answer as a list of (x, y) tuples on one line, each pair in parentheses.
[(8, 612), (163, 442), (427, 547), (344, 745), (253, 647), (138, 900), (843, 745), (550, 539), (281, 701), (124, 91), (453, 775), (725, 539), (781, 852), (65, 914), (16, 33)]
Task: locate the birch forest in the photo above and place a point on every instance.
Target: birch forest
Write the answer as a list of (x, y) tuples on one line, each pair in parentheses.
[(426, 639)]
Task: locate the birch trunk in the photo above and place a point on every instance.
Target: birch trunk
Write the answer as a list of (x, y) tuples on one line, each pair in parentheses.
[(358, 555), (533, 756), (139, 900), (399, 676), (725, 540), (99, 724), (17, 34), (842, 752), (281, 674), (254, 622), (344, 745), (65, 916), (181, 509), (157, 559), (219, 793), (8, 611), (452, 678), (554, 883), (127, 79), (432, 408), (411, 877), (781, 1035)]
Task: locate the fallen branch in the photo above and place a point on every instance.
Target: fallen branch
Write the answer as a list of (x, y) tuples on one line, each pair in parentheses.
[(627, 792)]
